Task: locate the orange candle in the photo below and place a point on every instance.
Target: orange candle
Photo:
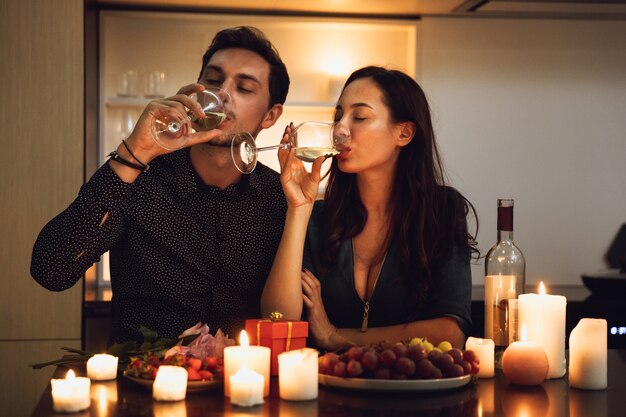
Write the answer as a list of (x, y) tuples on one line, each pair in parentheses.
[(525, 362)]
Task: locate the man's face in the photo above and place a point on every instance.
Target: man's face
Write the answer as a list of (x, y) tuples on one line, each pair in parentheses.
[(244, 75)]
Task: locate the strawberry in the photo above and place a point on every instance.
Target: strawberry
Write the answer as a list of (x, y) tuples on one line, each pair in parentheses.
[(193, 375), (210, 362), (194, 363), (206, 375)]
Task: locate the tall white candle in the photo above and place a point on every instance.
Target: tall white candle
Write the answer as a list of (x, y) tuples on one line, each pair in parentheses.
[(256, 357), (297, 374), (170, 383), (102, 367), (588, 354), (484, 350), (246, 387), (71, 394), (544, 318)]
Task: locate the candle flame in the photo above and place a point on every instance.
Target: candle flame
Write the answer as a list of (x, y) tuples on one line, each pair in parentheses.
[(70, 375), (243, 339), (523, 333), (542, 288)]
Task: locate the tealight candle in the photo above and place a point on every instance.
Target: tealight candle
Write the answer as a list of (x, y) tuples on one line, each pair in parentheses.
[(297, 374), (484, 350), (102, 367), (246, 387), (525, 362), (256, 357), (588, 354), (170, 383), (71, 394), (544, 318)]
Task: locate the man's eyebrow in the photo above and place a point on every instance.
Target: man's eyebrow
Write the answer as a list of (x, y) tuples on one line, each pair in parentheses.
[(240, 76)]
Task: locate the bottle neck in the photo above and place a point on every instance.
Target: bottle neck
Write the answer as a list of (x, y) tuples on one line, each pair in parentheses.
[(504, 235)]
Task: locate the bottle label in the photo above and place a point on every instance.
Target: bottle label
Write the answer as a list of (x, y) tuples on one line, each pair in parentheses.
[(501, 308)]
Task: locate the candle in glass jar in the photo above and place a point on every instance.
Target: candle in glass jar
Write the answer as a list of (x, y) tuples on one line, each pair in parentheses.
[(588, 355), (102, 367), (297, 374), (484, 350), (246, 387), (257, 358), (544, 317), (170, 383), (71, 394)]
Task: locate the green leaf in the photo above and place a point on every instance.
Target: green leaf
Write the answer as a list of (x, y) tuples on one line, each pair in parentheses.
[(149, 336)]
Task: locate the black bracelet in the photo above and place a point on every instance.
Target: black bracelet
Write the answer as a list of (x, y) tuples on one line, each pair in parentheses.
[(133, 155), (117, 158)]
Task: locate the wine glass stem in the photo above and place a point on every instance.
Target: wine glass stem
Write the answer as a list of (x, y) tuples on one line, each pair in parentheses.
[(279, 146)]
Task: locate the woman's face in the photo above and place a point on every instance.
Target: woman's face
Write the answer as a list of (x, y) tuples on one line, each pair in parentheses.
[(363, 118)]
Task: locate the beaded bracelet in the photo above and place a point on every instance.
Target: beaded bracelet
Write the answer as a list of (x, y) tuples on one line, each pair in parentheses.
[(117, 158)]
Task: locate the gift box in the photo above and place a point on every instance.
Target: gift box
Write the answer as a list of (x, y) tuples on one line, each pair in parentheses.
[(278, 335)]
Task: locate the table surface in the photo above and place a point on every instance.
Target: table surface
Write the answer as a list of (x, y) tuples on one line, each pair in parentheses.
[(480, 398)]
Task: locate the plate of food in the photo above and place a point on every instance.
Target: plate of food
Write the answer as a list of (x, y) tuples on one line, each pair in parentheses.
[(367, 384), (192, 386), (413, 365)]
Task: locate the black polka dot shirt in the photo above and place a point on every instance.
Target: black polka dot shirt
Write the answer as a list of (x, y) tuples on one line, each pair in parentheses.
[(181, 251)]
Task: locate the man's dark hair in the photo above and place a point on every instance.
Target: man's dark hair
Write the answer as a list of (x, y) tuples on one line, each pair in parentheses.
[(252, 39)]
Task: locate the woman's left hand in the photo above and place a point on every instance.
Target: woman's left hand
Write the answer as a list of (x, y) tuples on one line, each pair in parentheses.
[(324, 334)]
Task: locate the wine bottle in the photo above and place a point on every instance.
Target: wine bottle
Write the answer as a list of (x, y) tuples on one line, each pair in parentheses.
[(505, 280)]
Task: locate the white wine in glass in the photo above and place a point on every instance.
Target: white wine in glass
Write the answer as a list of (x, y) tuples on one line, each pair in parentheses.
[(171, 130), (310, 140)]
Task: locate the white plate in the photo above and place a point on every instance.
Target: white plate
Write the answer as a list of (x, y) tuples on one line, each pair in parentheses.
[(192, 386), (364, 384)]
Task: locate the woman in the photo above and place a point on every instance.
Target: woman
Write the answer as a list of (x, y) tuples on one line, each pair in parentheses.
[(386, 254)]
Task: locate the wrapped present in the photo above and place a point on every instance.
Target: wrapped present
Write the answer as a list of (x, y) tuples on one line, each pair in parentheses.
[(277, 334)]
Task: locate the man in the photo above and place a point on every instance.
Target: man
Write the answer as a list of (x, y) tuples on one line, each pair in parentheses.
[(191, 238)]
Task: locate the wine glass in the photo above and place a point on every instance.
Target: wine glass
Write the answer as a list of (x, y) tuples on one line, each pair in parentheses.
[(310, 140), (171, 130)]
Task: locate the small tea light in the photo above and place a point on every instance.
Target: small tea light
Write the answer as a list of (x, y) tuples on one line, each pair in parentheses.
[(297, 374), (102, 367), (71, 394), (525, 362), (257, 358), (484, 350), (170, 383), (246, 387)]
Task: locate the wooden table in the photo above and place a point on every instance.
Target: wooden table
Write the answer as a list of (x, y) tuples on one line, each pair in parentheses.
[(482, 398)]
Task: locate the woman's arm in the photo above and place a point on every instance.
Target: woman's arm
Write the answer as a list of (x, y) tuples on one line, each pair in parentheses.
[(282, 291)]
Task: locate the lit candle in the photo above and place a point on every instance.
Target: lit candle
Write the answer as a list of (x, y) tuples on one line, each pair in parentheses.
[(588, 354), (297, 374), (525, 362), (256, 357), (484, 350), (170, 383), (246, 387), (102, 367), (544, 318), (71, 394)]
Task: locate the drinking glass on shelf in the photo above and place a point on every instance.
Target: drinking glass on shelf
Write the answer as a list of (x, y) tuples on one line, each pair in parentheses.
[(171, 130), (309, 139)]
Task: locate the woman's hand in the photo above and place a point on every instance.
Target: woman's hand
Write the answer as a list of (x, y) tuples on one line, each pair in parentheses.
[(300, 186), (324, 334), (140, 140)]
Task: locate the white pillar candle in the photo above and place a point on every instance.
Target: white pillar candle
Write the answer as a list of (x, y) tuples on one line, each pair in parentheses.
[(246, 387), (484, 350), (544, 318), (256, 357), (297, 374), (588, 354), (71, 394), (102, 367), (170, 383)]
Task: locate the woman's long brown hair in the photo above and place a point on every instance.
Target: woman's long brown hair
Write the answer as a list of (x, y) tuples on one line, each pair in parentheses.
[(427, 220)]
